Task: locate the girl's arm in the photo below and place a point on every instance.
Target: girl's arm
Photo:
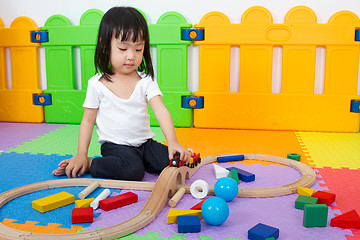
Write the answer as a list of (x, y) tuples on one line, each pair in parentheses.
[(80, 162), (164, 118)]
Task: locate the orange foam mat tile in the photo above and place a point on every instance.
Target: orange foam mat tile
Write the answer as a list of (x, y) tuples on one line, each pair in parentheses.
[(223, 141), (51, 228), (335, 150)]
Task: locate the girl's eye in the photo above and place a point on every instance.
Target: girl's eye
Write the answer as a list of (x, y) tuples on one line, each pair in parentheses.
[(122, 49), (138, 50)]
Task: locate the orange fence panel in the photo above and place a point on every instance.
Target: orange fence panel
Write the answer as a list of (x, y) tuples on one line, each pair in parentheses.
[(296, 107), (17, 102)]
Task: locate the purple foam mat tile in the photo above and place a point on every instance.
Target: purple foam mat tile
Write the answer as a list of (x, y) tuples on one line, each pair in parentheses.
[(13, 134), (245, 213), (265, 176)]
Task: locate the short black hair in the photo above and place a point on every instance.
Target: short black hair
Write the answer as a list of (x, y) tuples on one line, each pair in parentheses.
[(130, 23)]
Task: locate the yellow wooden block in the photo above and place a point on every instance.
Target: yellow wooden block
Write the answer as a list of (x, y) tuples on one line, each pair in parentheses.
[(53, 201), (83, 203), (173, 213), (305, 191)]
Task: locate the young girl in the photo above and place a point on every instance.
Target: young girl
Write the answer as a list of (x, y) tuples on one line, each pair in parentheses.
[(117, 98)]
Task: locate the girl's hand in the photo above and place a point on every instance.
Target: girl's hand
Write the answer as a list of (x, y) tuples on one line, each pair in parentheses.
[(185, 154), (75, 166)]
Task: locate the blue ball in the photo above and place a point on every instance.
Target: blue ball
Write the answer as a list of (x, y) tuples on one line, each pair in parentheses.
[(215, 211), (226, 188)]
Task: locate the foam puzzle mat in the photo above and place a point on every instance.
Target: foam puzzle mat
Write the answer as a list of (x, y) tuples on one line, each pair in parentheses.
[(29, 153)]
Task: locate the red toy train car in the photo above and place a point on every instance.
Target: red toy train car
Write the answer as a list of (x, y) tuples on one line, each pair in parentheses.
[(194, 161)]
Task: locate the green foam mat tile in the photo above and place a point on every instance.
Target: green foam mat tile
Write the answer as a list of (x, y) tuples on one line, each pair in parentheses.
[(64, 141)]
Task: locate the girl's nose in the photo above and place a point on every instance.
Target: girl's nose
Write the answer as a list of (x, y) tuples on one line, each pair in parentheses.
[(130, 55)]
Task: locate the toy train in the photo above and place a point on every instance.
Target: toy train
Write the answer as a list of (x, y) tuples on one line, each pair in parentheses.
[(194, 161)]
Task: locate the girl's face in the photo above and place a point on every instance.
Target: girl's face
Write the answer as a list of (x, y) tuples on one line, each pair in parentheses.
[(125, 56)]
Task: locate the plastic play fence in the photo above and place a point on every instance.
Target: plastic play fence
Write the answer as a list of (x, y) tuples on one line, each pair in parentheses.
[(296, 107), (254, 106)]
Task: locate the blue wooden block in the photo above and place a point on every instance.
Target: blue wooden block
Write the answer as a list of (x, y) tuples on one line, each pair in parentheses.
[(262, 232), (231, 158), (243, 175), (188, 224)]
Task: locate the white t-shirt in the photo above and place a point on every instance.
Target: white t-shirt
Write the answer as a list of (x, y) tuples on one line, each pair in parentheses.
[(122, 121)]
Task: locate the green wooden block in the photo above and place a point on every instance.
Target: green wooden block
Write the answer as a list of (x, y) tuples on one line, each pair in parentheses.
[(315, 215), (302, 200), (234, 175)]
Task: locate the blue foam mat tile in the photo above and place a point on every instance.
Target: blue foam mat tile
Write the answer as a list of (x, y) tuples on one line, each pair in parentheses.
[(22, 169)]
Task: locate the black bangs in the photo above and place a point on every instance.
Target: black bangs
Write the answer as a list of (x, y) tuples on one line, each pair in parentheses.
[(129, 24)]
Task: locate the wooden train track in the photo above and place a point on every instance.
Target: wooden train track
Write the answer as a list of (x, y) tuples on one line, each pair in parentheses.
[(169, 181)]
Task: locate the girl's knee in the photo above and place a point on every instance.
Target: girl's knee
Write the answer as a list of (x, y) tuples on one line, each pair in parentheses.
[(132, 174)]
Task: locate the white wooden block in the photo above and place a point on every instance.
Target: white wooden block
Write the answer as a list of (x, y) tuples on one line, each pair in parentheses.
[(220, 171)]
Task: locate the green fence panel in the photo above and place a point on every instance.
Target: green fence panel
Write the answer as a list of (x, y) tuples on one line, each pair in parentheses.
[(171, 54), (60, 73), (63, 37)]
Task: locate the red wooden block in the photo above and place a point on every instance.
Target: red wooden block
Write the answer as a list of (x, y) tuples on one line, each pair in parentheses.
[(347, 220), (324, 197), (198, 206), (82, 215), (118, 201)]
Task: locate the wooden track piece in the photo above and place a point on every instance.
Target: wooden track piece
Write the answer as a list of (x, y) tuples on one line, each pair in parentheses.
[(170, 180)]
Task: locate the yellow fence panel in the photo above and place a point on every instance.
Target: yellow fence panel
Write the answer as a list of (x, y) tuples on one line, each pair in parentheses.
[(296, 107), (17, 101)]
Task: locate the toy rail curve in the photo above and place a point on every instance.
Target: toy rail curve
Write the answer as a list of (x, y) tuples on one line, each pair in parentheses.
[(169, 181)]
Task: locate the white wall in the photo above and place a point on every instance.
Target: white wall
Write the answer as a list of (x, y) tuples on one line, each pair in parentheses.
[(192, 10)]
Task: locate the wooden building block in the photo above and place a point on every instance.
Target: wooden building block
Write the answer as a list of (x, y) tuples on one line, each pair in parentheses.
[(220, 171), (324, 197), (262, 232), (53, 201), (234, 175), (82, 215), (118, 201), (188, 224), (83, 203), (243, 175), (302, 200), (315, 215), (349, 219), (305, 191), (173, 213), (198, 206)]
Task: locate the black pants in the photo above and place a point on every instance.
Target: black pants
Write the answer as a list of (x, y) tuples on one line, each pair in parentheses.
[(123, 162)]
